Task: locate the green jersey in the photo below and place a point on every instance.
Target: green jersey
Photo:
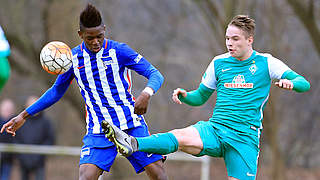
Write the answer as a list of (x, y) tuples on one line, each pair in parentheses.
[(242, 90), (4, 65), (4, 45)]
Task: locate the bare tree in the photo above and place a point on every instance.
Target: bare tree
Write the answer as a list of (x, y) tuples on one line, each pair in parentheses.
[(27, 39), (305, 11)]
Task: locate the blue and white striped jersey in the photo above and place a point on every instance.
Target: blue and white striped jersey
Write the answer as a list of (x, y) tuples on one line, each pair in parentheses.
[(104, 80)]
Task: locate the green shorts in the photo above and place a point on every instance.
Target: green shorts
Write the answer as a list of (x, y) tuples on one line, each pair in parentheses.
[(241, 158)]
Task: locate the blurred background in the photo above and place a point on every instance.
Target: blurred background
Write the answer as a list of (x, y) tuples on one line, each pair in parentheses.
[(180, 38)]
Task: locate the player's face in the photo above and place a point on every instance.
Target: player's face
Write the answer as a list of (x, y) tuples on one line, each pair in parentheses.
[(93, 37), (238, 45)]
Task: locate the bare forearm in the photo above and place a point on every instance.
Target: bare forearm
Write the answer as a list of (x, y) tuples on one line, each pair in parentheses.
[(24, 114)]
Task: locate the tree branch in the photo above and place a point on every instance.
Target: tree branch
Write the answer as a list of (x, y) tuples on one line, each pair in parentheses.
[(306, 17)]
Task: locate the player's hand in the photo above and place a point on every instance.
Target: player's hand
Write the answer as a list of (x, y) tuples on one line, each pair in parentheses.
[(141, 104), (285, 84), (13, 125), (176, 93)]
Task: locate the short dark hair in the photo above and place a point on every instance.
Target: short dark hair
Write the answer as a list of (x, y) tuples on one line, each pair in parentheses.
[(245, 23), (90, 17)]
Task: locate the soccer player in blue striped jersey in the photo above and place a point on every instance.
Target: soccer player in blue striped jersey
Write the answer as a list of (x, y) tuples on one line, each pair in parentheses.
[(4, 64), (242, 78), (102, 69)]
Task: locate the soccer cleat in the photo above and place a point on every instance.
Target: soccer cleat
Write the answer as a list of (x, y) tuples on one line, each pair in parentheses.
[(125, 144)]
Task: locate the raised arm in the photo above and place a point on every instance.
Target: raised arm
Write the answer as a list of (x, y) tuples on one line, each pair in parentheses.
[(138, 63), (193, 98), (155, 81), (202, 94), (50, 97)]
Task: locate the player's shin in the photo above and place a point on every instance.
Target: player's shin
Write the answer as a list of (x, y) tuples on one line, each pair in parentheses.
[(161, 143)]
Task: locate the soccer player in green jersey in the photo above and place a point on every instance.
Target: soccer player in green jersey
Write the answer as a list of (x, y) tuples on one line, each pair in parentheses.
[(4, 64), (242, 78)]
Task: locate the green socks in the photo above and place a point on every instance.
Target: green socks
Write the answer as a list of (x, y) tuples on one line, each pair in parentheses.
[(161, 143)]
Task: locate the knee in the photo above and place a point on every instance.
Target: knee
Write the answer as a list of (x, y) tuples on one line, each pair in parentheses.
[(156, 171), (88, 174), (83, 175), (160, 176), (181, 136)]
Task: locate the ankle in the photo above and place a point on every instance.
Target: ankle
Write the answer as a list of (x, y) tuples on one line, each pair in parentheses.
[(134, 144)]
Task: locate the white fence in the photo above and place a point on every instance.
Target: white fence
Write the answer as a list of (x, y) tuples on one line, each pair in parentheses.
[(75, 151)]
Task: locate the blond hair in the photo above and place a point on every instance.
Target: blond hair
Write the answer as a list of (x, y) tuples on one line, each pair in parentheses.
[(245, 23)]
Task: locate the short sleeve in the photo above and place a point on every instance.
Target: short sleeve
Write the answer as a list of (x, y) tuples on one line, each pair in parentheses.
[(209, 77), (4, 45), (276, 67)]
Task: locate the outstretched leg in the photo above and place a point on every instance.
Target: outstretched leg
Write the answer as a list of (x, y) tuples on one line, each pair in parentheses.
[(187, 140), (126, 145)]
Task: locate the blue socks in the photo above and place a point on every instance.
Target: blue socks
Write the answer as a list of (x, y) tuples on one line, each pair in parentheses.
[(161, 143)]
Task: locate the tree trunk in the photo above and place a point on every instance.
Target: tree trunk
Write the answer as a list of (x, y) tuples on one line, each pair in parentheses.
[(271, 129)]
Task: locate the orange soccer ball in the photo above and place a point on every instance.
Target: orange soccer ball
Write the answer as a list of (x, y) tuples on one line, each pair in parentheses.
[(56, 57)]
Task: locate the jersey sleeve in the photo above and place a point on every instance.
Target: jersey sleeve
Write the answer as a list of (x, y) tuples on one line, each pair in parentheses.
[(300, 84), (65, 79), (209, 77), (197, 97), (276, 67), (131, 59), (4, 45)]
